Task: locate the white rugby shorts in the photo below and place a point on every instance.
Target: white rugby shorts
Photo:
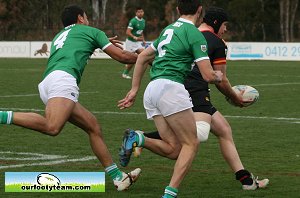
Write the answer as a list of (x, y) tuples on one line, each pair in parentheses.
[(165, 97), (133, 46), (59, 84)]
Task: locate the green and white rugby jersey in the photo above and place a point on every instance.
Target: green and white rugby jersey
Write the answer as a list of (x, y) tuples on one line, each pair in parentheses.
[(137, 27), (177, 48), (72, 47)]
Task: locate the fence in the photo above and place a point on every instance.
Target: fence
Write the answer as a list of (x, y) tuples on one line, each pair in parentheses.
[(236, 50)]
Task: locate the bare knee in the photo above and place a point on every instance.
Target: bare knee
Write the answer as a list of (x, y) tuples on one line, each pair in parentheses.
[(175, 153), (224, 132), (53, 130), (192, 145)]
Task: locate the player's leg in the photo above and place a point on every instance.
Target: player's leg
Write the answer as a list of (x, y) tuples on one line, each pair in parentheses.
[(129, 46), (133, 140), (126, 71), (183, 125), (168, 146), (84, 119), (57, 113), (203, 121), (221, 128)]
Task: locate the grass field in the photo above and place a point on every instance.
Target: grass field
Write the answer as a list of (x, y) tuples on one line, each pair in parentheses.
[(266, 134)]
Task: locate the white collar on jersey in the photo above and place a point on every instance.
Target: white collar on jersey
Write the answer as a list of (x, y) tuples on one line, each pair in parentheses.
[(138, 18), (185, 20)]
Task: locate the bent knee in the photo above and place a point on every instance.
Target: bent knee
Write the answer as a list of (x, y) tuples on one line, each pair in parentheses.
[(53, 130), (224, 132), (203, 129), (174, 152)]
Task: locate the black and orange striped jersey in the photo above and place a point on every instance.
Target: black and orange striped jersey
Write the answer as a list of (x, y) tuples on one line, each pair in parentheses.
[(217, 51)]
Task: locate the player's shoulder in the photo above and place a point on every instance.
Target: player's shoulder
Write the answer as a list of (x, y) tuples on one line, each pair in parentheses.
[(89, 30), (134, 19), (211, 37)]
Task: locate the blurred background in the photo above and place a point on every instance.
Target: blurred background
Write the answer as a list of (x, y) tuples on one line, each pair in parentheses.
[(255, 20)]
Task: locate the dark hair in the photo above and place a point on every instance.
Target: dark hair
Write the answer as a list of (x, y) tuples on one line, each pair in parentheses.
[(188, 7), (138, 8), (70, 14), (214, 17)]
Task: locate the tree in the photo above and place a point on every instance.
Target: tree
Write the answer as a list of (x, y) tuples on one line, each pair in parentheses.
[(288, 10)]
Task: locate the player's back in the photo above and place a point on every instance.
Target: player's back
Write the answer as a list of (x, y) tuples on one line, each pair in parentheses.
[(72, 47), (176, 51)]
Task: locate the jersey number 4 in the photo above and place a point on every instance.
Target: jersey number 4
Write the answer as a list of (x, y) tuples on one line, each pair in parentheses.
[(167, 40), (60, 41)]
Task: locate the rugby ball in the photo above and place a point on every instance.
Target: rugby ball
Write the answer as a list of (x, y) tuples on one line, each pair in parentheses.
[(44, 179), (249, 94)]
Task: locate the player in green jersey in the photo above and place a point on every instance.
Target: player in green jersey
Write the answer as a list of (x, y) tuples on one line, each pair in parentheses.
[(166, 101), (135, 38), (213, 27), (70, 50)]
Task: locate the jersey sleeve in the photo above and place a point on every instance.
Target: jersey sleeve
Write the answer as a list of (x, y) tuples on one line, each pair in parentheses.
[(131, 24), (198, 45), (219, 55), (102, 40)]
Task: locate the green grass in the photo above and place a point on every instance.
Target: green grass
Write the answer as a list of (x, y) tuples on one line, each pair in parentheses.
[(266, 134)]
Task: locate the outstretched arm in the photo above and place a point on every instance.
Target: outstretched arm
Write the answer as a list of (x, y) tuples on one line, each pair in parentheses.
[(139, 70), (116, 42), (120, 55)]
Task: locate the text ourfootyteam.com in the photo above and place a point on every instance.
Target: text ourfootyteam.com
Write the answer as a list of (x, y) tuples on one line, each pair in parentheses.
[(54, 187)]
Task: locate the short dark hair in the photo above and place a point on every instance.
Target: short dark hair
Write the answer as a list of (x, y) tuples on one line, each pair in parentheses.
[(138, 8), (214, 17), (70, 14), (188, 7)]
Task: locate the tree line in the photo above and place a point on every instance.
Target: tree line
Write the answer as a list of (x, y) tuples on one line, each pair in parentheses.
[(255, 20)]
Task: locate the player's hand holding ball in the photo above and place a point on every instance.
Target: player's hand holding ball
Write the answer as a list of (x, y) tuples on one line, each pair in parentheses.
[(248, 94)]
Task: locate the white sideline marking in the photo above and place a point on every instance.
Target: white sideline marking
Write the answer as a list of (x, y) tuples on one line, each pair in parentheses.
[(21, 70), (277, 84), (95, 112), (50, 159), (30, 95), (49, 163), (37, 156), (139, 113), (264, 117)]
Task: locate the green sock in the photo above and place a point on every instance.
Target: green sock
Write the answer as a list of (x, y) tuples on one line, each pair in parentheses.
[(6, 117), (170, 192), (126, 71), (114, 172), (140, 139)]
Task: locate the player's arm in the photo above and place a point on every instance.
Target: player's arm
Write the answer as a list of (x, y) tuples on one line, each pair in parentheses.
[(139, 70), (116, 42), (225, 87), (141, 65), (103, 42), (143, 39), (120, 55), (207, 72), (129, 33)]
